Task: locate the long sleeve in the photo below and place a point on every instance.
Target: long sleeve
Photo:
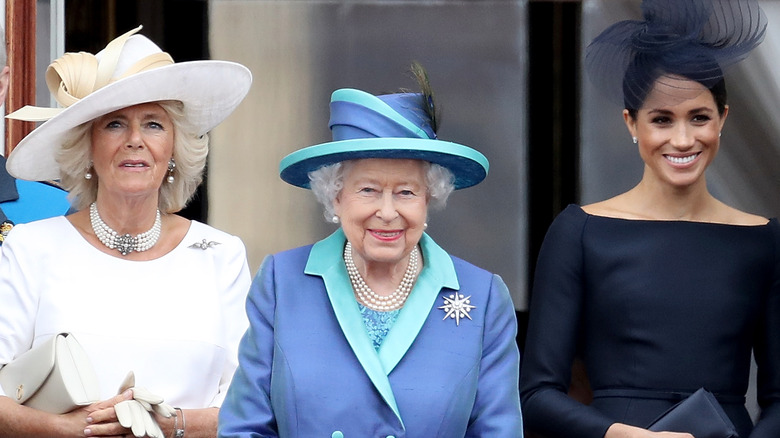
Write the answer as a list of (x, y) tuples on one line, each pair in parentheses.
[(496, 410), (18, 292), (235, 279), (767, 353), (551, 342), (247, 410)]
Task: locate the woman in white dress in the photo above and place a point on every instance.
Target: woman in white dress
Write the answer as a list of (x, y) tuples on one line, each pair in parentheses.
[(141, 288)]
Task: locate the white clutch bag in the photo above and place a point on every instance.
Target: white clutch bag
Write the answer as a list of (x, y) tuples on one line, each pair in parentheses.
[(56, 376)]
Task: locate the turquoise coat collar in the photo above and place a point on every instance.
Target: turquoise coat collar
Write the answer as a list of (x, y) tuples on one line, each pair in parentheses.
[(326, 261)]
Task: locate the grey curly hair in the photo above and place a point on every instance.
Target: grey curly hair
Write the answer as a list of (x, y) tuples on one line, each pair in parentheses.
[(189, 152), (327, 182)]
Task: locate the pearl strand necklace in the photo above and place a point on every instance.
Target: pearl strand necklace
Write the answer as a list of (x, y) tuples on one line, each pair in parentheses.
[(373, 300), (124, 243)]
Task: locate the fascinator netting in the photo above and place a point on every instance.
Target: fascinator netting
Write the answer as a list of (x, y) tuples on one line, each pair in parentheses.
[(695, 39)]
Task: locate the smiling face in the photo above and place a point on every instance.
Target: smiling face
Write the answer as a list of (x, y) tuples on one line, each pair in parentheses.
[(678, 138), (383, 207), (131, 148)]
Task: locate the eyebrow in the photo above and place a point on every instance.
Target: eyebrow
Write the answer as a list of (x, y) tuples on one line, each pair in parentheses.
[(155, 116), (147, 115), (377, 181), (702, 109)]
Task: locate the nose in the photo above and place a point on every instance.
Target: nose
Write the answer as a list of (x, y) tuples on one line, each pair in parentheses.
[(682, 137), (134, 137), (387, 211)]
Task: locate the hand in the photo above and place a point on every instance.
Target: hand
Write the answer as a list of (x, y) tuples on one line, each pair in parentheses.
[(136, 414), (100, 417), (619, 430)]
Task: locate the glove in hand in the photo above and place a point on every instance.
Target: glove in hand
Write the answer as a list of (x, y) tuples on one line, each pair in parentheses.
[(136, 414)]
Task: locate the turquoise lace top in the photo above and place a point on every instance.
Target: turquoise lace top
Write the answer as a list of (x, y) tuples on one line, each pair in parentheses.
[(378, 324)]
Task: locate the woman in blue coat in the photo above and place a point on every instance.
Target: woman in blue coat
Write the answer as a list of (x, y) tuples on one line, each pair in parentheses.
[(376, 331)]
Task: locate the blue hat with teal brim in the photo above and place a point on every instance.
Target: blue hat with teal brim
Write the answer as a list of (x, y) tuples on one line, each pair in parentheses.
[(386, 126)]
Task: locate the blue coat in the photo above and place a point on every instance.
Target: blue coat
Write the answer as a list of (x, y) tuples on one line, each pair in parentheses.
[(27, 201), (307, 367)]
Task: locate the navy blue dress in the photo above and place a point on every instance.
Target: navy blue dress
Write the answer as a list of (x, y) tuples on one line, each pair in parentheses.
[(656, 309)]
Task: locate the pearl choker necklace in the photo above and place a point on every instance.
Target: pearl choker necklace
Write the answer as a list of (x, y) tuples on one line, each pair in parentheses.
[(124, 243), (373, 300)]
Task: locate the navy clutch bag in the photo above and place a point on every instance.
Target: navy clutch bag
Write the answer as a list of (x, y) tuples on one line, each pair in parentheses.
[(700, 414)]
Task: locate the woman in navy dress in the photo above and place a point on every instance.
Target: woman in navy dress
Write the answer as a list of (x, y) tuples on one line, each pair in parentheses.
[(662, 289)]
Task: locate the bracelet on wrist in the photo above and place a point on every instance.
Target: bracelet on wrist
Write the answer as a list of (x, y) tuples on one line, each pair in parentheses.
[(178, 433)]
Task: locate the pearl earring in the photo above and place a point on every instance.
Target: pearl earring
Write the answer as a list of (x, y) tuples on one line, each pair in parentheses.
[(171, 167), (425, 225), (334, 219), (634, 139), (88, 174)]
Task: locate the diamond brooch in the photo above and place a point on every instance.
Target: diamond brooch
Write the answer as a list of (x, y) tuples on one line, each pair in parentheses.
[(457, 306), (204, 244)]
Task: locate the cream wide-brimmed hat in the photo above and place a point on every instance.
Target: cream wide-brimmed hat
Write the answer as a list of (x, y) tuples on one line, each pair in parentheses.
[(131, 70)]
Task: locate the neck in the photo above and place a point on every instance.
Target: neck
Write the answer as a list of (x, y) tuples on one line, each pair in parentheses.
[(127, 215), (383, 278), (661, 201)]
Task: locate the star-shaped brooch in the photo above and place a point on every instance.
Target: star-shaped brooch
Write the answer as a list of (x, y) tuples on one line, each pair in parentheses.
[(204, 244), (457, 306)]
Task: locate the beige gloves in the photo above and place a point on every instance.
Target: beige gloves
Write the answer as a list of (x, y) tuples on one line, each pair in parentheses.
[(136, 414)]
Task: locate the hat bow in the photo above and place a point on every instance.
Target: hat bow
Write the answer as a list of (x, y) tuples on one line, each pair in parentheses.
[(74, 76)]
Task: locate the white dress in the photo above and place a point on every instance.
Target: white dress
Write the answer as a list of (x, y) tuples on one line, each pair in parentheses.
[(174, 321)]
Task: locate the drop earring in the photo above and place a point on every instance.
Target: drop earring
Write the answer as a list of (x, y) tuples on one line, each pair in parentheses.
[(171, 167), (88, 174)]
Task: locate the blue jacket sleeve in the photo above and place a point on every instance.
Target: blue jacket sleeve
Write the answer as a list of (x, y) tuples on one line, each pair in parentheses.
[(551, 340), (496, 410), (247, 411)]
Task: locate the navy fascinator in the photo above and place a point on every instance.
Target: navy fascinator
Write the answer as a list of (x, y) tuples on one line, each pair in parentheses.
[(695, 39)]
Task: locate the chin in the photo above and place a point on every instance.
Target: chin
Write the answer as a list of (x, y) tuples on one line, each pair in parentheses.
[(684, 183), (384, 256)]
